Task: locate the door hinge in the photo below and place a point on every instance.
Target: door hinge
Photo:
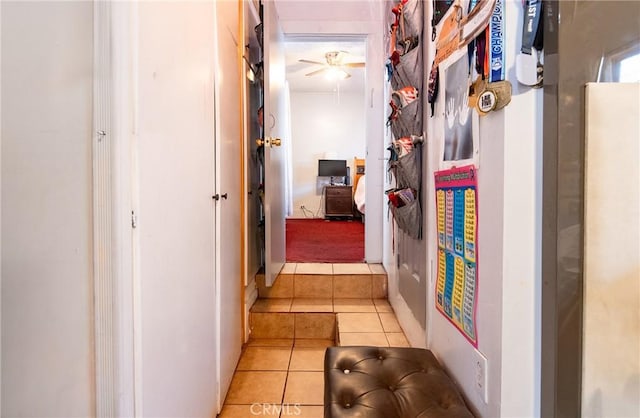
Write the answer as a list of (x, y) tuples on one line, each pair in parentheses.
[(134, 220)]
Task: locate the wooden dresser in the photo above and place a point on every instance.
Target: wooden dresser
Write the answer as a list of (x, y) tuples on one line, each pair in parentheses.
[(338, 201)]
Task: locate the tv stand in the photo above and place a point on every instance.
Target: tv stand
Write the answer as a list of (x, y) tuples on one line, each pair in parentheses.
[(338, 202)]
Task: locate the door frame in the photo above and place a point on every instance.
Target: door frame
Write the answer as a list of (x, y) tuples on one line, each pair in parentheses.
[(249, 292), (374, 123), (374, 158), (116, 286)]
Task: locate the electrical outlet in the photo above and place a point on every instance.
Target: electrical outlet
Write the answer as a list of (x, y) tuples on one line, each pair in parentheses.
[(480, 376)]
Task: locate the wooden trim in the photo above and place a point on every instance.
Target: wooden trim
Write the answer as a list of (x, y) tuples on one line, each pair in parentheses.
[(243, 192)]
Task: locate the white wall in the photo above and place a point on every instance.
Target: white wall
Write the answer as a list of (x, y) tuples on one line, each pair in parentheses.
[(323, 124), (447, 343), (47, 309), (509, 208), (522, 239), (175, 136)]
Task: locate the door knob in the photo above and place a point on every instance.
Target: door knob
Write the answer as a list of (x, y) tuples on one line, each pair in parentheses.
[(272, 142), (224, 196), (275, 142), (216, 196)]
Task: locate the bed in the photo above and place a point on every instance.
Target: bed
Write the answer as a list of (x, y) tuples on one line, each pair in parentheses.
[(358, 195)]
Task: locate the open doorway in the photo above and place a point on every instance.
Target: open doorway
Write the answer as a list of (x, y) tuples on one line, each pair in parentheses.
[(326, 211)]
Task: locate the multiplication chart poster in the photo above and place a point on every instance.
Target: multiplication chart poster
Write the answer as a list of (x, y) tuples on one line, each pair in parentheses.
[(457, 222)]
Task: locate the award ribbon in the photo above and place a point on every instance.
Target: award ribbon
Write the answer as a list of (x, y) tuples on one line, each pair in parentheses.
[(496, 43)]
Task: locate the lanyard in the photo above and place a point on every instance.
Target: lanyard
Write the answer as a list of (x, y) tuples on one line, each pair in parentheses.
[(481, 54), (489, 46), (479, 47), (531, 27), (496, 59)]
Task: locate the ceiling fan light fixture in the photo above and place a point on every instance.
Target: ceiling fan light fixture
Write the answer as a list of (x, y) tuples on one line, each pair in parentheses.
[(333, 69), (334, 73)]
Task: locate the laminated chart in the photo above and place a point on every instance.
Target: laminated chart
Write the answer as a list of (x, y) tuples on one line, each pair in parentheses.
[(449, 219), (457, 236), (440, 202)]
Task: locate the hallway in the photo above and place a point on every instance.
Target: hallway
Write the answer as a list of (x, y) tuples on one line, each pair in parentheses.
[(128, 266)]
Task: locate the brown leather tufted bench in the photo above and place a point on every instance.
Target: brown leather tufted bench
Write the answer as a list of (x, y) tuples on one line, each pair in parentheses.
[(381, 382)]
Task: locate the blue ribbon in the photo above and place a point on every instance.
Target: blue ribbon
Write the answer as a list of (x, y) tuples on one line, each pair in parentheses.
[(496, 43)]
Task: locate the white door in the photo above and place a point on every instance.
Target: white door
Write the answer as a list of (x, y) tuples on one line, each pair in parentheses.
[(175, 228), (228, 188), (274, 156)]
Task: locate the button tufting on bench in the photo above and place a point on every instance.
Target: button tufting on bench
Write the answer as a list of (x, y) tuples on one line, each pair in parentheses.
[(389, 383)]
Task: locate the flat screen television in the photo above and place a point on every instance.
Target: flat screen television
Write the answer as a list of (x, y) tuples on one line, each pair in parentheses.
[(332, 168)]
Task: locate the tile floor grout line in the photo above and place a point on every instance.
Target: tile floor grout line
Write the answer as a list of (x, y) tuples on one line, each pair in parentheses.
[(286, 379), (387, 338)]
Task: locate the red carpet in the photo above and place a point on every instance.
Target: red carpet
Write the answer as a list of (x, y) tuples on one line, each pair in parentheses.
[(321, 241)]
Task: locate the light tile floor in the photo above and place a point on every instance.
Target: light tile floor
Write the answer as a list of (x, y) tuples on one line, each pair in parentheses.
[(278, 378), (365, 327), (284, 377), (318, 280), (332, 268)]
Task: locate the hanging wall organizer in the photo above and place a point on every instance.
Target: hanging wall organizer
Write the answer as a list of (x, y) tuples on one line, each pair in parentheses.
[(406, 72)]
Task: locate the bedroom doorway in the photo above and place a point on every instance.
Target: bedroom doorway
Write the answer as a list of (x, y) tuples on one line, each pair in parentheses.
[(325, 214)]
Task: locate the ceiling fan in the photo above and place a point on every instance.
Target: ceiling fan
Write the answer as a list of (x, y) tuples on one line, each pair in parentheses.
[(333, 67)]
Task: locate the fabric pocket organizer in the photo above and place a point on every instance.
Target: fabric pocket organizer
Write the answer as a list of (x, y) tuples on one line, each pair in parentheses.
[(409, 120), (407, 212), (408, 170), (408, 218), (409, 71)]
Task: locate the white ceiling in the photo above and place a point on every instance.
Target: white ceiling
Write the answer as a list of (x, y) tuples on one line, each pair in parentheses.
[(327, 10), (331, 16)]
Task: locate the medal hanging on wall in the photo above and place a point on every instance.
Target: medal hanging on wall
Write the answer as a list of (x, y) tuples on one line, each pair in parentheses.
[(457, 32), (490, 91)]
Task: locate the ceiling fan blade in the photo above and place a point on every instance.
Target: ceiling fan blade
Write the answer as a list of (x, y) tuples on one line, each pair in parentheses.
[(354, 64), (316, 72), (311, 62)]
